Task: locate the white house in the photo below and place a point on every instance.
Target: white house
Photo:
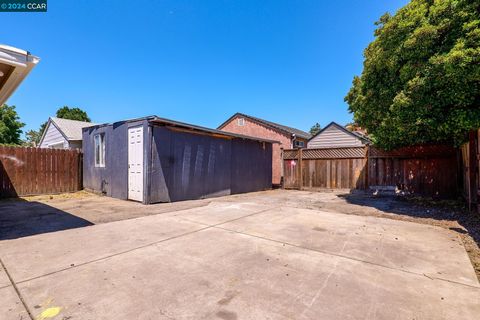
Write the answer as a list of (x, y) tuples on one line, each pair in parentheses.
[(63, 134), (15, 65), (336, 136)]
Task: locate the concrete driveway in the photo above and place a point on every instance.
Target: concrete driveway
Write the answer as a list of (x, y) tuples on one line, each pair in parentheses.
[(240, 257)]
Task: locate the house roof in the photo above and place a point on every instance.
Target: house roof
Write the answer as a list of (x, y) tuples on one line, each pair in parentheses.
[(357, 135), (70, 129), (191, 127), (15, 65), (281, 127)]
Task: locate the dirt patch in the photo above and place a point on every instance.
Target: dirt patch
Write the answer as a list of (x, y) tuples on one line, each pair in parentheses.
[(72, 195)]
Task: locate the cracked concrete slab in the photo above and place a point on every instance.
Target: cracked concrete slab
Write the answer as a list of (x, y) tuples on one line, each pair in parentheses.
[(52, 255), (51, 252), (413, 247), (11, 308), (242, 257), (215, 273)]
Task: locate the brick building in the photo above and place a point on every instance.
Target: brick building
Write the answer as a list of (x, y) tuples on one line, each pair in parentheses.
[(255, 127)]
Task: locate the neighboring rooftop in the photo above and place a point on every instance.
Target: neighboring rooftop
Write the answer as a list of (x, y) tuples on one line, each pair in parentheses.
[(173, 123), (281, 127), (356, 134), (72, 129)]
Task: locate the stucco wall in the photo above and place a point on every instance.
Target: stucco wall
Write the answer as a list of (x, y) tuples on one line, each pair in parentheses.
[(254, 129)]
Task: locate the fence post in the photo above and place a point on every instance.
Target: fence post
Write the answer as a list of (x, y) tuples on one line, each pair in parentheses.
[(472, 172), (300, 168), (367, 166)]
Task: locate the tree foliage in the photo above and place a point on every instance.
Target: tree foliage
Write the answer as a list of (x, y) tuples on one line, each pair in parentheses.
[(352, 126), (78, 114), (10, 126), (33, 137), (315, 129), (421, 75)]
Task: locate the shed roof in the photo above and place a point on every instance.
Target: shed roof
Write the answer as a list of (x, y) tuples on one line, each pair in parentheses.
[(281, 127), (173, 123), (193, 127), (71, 129)]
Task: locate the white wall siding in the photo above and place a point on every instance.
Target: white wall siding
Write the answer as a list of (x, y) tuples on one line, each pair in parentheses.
[(53, 137), (333, 137)]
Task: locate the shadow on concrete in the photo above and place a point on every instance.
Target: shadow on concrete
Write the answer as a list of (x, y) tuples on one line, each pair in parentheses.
[(416, 207), (7, 189), (20, 218)]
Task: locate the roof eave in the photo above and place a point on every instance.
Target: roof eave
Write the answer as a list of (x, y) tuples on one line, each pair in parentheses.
[(22, 62)]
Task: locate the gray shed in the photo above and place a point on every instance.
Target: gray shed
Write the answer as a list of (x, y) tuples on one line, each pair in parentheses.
[(154, 160)]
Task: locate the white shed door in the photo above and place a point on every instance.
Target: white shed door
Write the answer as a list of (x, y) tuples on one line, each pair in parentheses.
[(135, 163)]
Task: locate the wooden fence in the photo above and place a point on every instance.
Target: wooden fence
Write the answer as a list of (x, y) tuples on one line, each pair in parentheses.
[(34, 171), (324, 168), (471, 176), (423, 170)]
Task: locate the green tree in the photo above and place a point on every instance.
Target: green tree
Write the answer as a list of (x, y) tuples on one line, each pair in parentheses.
[(66, 112), (10, 125), (315, 129), (33, 137), (421, 75)]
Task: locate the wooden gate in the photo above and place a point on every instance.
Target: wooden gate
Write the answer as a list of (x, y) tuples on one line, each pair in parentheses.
[(33, 171)]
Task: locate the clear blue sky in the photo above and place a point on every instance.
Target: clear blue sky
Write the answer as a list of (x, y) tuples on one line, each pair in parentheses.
[(200, 61)]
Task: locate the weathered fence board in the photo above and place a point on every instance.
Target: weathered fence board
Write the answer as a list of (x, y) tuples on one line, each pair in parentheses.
[(424, 170), (325, 168), (470, 158), (33, 171)]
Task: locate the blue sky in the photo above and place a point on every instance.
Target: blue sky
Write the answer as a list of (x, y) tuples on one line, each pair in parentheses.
[(290, 62)]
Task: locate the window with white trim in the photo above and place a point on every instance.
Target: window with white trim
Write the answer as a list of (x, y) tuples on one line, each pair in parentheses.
[(99, 142), (241, 122)]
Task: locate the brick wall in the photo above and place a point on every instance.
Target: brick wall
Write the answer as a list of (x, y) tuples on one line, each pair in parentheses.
[(254, 129)]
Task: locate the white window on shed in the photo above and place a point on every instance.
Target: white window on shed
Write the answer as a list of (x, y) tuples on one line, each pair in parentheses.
[(240, 122), (99, 140)]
